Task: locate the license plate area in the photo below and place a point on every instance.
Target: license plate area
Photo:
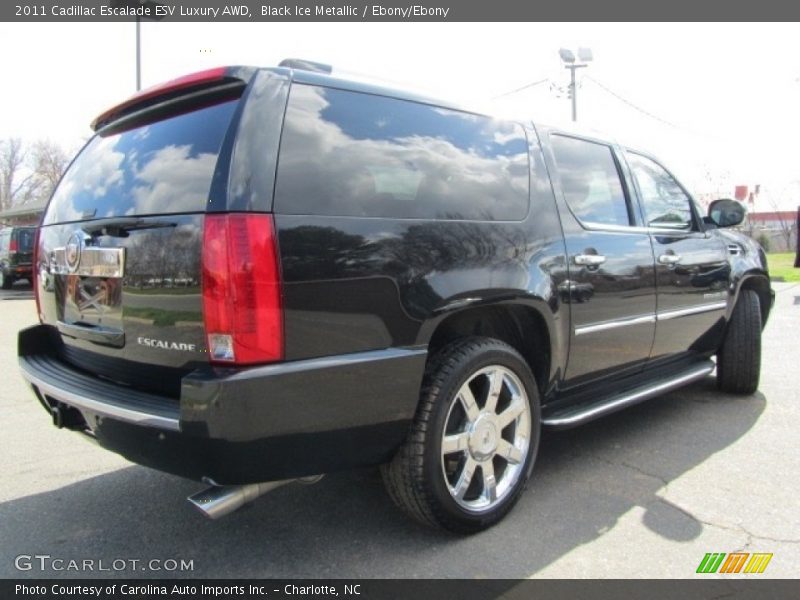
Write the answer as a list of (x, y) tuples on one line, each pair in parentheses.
[(90, 292), (91, 262)]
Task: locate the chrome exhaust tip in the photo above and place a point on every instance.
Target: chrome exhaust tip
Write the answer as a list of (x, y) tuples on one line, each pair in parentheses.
[(219, 500)]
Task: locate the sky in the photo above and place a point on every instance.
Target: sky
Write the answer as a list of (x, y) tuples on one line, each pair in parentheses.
[(716, 102)]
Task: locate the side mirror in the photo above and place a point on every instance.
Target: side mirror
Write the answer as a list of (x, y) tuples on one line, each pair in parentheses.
[(726, 212)]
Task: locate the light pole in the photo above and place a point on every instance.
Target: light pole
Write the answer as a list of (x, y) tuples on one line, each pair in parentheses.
[(133, 4), (585, 56), (138, 53)]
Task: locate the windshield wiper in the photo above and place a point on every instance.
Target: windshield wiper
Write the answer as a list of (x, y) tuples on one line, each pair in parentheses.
[(122, 227)]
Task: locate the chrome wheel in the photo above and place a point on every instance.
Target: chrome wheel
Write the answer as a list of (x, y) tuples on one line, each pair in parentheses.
[(486, 438)]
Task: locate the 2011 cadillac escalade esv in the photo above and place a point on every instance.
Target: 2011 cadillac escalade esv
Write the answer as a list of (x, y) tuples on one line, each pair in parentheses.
[(249, 276)]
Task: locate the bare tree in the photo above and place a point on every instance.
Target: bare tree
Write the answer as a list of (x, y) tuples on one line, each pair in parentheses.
[(49, 162), (12, 161)]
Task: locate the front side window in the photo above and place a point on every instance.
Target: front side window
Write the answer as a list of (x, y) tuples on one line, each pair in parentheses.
[(664, 202), (590, 181), (353, 154)]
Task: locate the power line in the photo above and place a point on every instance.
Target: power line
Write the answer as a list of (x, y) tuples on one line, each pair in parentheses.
[(524, 87), (631, 104), (702, 134)]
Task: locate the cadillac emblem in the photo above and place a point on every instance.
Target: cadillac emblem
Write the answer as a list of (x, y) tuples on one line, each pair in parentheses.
[(72, 253)]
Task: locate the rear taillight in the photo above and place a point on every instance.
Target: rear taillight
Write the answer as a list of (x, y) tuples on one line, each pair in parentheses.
[(35, 274), (241, 289), (13, 246)]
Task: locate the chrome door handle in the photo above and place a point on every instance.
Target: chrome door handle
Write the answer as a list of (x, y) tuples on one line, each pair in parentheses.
[(669, 259), (589, 260)]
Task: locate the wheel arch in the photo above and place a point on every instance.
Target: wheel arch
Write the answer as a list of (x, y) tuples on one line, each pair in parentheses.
[(520, 325)]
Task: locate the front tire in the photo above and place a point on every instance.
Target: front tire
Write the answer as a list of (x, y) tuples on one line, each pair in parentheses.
[(739, 357), (5, 281), (474, 438)]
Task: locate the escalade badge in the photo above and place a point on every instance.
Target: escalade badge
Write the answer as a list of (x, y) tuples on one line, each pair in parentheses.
[(166, 344)]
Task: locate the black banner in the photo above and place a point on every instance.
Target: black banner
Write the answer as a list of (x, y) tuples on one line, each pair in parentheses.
[(408, 10), (383, 589)]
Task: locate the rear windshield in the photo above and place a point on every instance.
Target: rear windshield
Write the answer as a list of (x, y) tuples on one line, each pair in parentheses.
[(158, 168), (25, 239)]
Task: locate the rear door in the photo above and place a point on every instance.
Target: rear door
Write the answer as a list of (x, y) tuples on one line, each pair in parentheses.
[(692, 268), (611, 287)]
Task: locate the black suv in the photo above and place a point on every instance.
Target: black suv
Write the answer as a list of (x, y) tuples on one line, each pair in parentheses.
[(16, 255), (261, 275)]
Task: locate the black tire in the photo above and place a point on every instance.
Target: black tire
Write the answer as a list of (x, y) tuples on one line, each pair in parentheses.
[(5, 281), (739, 357), (417, 477)]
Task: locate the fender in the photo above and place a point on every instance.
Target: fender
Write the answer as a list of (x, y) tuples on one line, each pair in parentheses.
[(749, 270)]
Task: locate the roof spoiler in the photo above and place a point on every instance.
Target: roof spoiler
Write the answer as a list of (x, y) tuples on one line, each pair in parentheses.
[(174, 90)]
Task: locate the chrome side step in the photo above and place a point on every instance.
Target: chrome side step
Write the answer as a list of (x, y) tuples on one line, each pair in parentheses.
[(573, 416)]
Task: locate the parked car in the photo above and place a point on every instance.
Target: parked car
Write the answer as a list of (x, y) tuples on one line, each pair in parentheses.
[(16, 254), (372, 278)]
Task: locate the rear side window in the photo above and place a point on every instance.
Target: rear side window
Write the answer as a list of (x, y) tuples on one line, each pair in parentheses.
[(353, 154), (590, 181), (158, 168)]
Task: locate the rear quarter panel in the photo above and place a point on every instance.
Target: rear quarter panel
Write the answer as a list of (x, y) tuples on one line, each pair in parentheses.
[(355, 283)]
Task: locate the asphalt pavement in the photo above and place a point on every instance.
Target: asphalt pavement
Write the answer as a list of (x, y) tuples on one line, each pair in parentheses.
[(643, 493)]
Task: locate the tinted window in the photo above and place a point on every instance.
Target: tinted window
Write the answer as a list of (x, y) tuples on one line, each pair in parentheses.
[(664, 201), (353, 154), (590, 181), (25, 239), (162, 167)]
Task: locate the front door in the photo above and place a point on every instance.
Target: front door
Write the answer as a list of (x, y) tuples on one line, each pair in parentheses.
[(692, 270)]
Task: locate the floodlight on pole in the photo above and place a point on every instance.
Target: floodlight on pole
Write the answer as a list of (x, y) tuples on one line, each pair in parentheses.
[(568, 57)]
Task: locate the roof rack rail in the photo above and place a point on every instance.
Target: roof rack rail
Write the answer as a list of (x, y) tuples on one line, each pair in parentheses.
[(306, 65)]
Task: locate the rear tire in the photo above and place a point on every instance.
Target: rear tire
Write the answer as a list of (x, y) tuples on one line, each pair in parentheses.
[(739, 357), (474, 438)]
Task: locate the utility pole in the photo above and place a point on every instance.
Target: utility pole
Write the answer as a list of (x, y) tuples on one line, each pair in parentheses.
[(585, 55), (797, 241), (573, 90)]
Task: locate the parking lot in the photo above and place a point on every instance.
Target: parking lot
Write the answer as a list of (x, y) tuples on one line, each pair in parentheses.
[(643, 493)]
